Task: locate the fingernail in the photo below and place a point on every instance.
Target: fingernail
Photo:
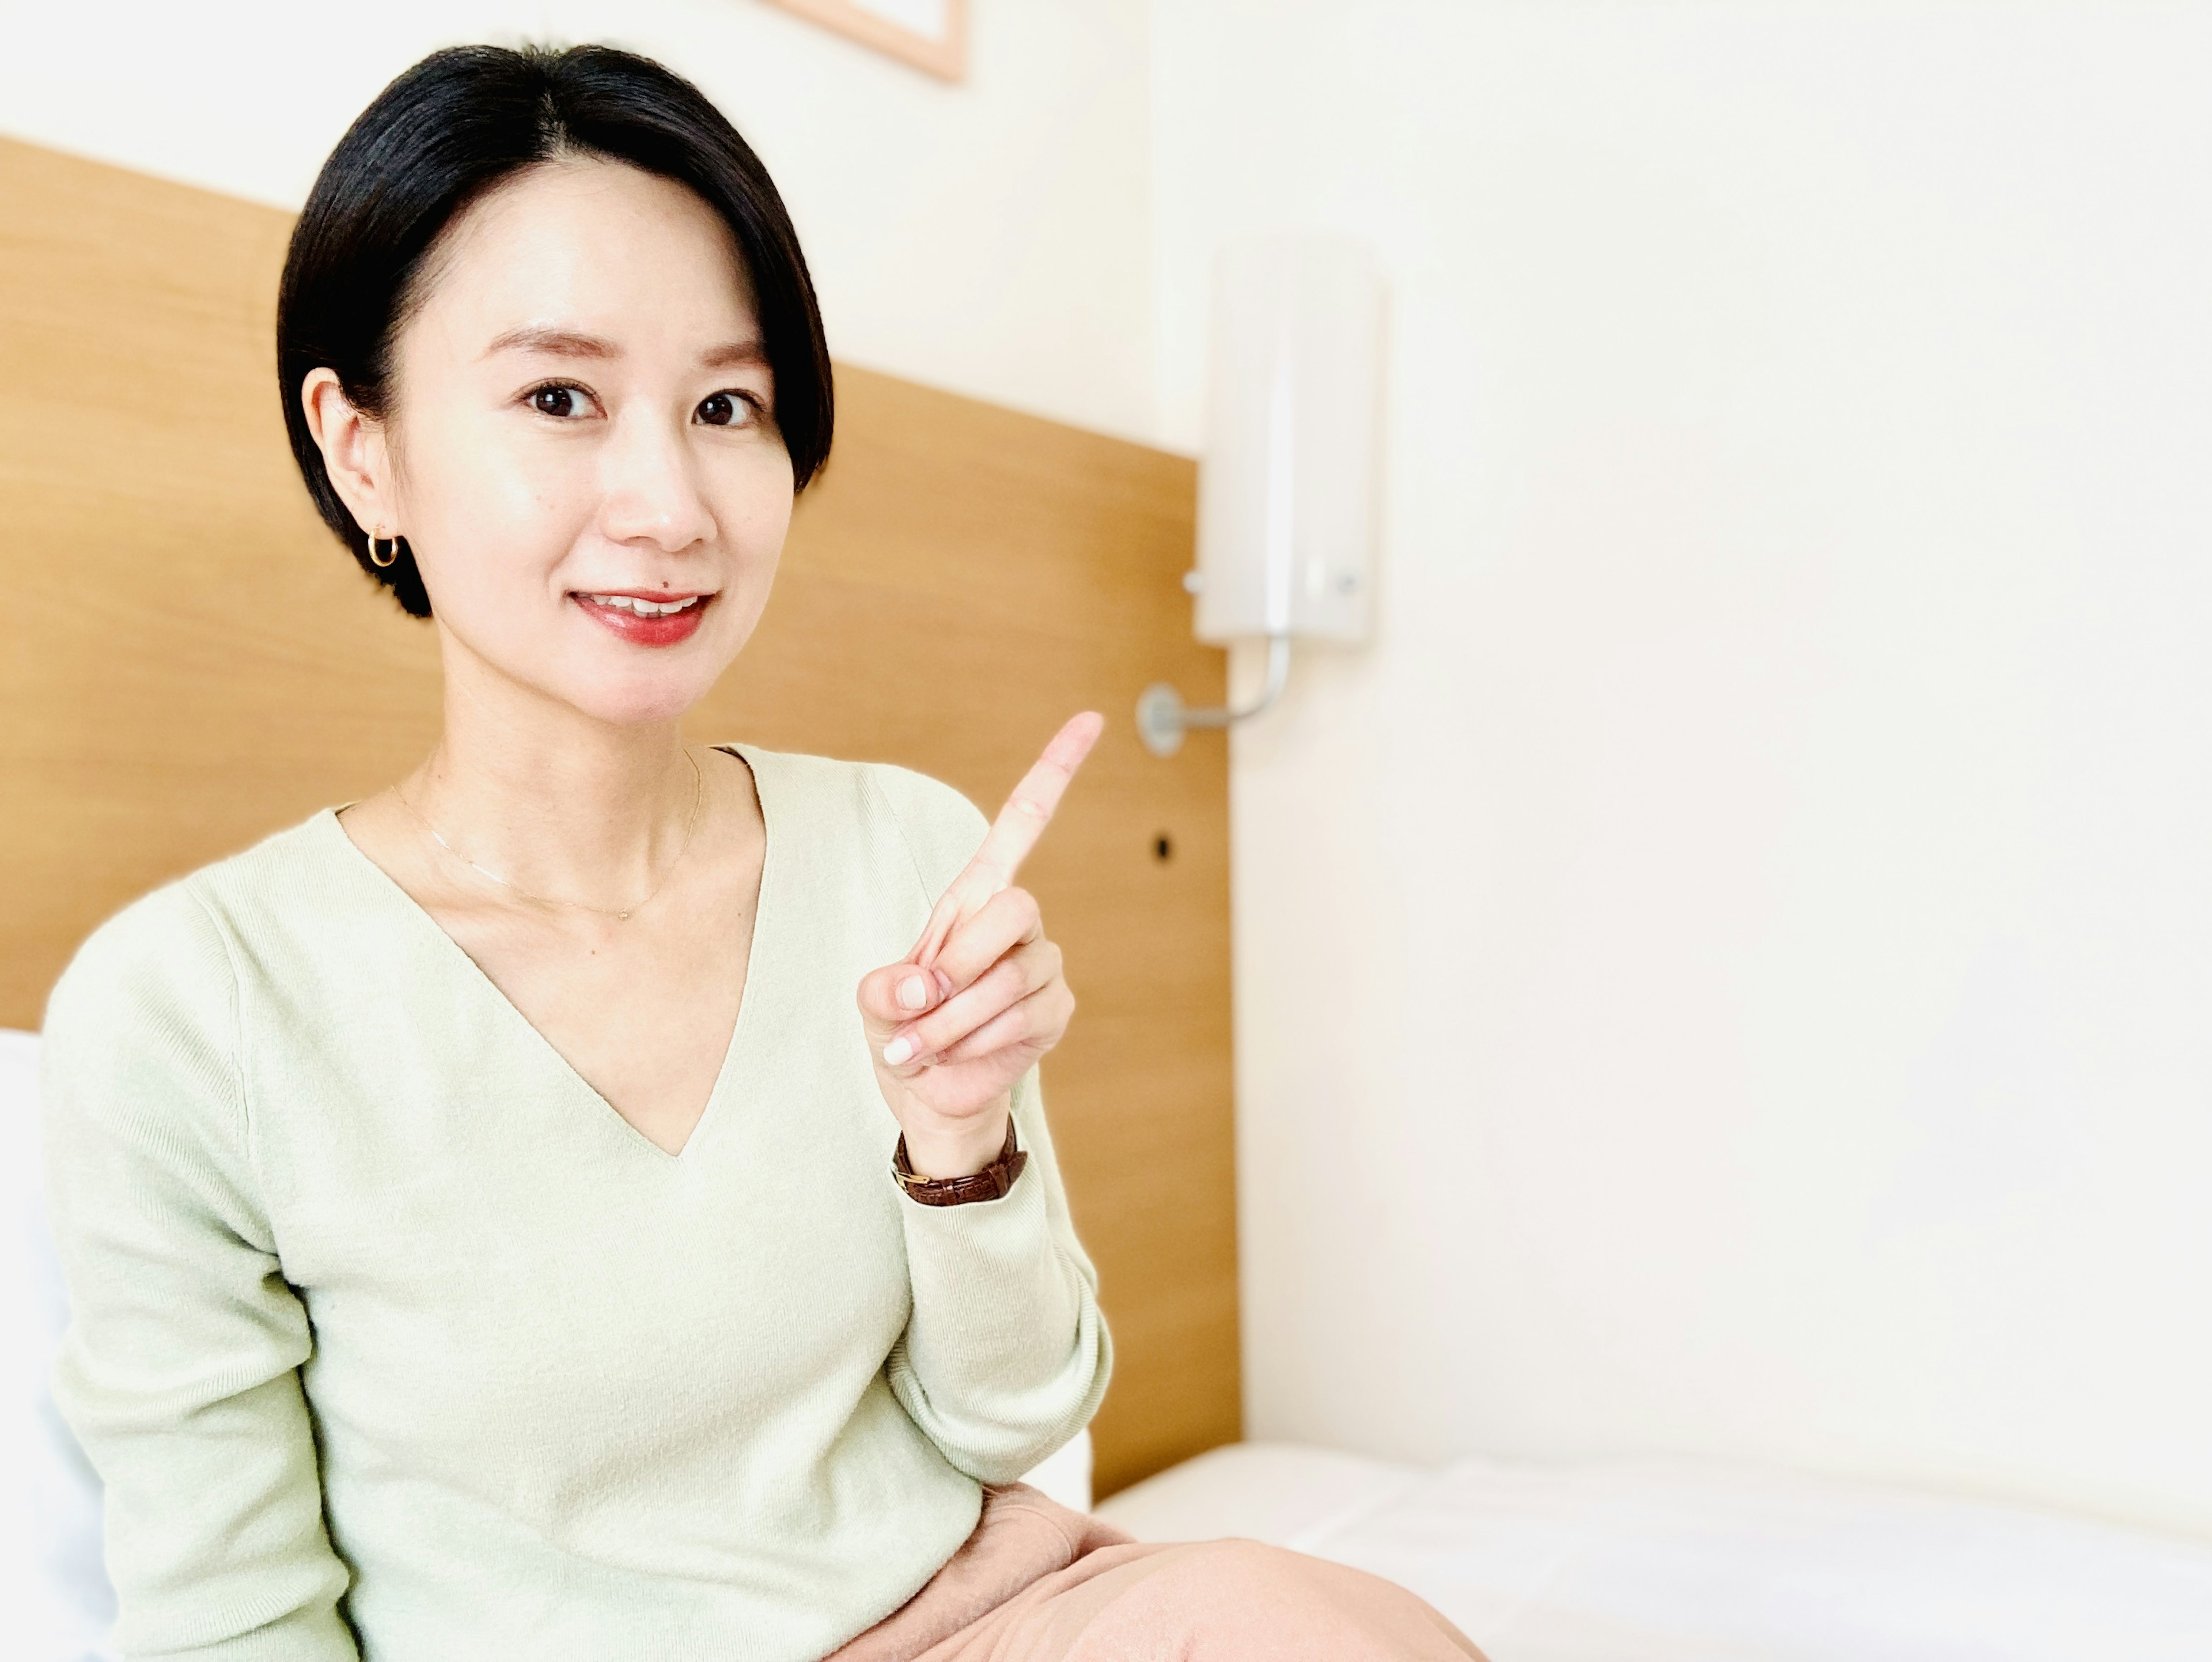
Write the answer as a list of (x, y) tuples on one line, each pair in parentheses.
[(898, 1051), (912, 993)]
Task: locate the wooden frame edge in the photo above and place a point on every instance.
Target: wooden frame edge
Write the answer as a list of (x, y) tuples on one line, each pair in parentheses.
[(946, 59)]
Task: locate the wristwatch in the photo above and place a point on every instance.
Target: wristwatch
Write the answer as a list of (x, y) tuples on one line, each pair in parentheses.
[(988, 1184)]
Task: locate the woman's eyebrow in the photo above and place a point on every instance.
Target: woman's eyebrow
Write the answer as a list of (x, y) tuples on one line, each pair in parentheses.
[(566, 343), (570, 344), (734, 353)]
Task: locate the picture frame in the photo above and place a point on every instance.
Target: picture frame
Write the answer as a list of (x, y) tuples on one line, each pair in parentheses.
[(929, 35)]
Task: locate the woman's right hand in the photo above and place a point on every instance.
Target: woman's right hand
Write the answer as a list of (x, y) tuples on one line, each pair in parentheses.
[(982, 996)]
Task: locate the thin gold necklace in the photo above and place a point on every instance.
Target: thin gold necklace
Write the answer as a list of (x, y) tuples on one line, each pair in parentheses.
[(698, 794)]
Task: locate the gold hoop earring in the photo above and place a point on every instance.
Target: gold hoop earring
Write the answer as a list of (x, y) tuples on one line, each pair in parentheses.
[(375, 537)]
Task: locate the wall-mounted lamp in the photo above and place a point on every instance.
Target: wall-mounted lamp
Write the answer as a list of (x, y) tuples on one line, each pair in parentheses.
[(1286, 484)]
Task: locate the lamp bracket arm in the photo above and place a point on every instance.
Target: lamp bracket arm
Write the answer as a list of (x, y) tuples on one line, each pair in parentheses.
[(1163, 718)]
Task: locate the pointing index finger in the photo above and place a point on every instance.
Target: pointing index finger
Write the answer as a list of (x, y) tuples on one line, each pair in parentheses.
[(1014, 832), (1029, 809)]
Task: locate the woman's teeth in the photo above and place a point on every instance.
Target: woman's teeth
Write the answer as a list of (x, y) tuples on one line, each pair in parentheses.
[(644, 608)]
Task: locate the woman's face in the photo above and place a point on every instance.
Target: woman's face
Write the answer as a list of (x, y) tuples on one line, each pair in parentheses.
[(583, 449)]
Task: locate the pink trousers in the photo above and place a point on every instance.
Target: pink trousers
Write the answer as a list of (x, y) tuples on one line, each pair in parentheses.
[(1038, 1583)]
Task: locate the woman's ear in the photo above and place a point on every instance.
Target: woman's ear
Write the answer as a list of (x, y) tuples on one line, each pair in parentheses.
[(356, 454)]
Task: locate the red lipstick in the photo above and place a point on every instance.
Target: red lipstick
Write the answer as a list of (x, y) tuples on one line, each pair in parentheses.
[(653, 626)]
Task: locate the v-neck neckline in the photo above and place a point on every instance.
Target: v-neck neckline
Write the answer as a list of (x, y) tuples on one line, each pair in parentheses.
[(474, 971)]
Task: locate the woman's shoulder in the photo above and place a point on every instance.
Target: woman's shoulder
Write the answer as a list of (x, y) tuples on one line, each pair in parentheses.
[(174, 948), (804, 784), (151, 993), (142, 1055), (939, 825)]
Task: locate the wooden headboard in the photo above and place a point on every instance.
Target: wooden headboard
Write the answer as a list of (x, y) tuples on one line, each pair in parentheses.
[(191, 663)]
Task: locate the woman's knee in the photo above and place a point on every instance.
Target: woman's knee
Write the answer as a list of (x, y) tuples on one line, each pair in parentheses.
[(1237, 1598)]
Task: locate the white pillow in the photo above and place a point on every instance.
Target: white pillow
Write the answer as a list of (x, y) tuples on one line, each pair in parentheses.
[(53, 1579), (1066, 1476)]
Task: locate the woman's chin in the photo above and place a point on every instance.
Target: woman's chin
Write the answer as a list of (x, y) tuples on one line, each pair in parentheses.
[(641, 700), (630, 689), (598, 673)]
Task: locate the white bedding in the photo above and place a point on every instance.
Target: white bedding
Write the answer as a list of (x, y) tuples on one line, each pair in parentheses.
[(1680, 1562)]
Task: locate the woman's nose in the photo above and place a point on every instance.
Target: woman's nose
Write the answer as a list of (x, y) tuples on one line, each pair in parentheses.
[(652, 491)]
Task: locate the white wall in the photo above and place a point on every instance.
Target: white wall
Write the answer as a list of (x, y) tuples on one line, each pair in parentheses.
[(1729, 971), (991, 238)]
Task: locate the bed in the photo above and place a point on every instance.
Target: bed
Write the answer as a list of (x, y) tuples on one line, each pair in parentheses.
[(1676, 1561)]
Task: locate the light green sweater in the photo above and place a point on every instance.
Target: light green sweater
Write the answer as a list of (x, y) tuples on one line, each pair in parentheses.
[(391, 1338)]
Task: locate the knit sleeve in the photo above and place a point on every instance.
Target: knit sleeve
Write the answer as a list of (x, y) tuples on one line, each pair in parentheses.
[(1005, 1356), (179, 1370)]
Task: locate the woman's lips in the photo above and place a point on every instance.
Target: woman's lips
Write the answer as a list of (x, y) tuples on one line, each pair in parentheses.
[(640, 618)]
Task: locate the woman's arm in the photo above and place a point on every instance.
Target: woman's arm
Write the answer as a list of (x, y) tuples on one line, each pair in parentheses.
[(179, 1370), (1005, 1355)]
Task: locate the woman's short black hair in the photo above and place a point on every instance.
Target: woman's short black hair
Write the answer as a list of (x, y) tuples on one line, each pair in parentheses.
[(451, 128)]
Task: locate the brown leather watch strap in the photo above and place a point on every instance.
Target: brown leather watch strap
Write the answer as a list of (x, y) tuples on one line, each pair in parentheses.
[(988, 1184)]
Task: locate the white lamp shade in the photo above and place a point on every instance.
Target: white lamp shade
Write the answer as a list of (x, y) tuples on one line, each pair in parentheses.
[(1286, 508)]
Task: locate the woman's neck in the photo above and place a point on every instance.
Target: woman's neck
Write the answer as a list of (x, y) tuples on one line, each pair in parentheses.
[(555, 802)]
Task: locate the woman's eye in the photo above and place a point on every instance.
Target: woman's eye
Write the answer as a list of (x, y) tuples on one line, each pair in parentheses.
[(723, 409), (558, 401)]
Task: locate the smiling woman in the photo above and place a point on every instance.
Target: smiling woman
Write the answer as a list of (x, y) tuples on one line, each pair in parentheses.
[(382, 221), (636, 398), (592, 1198)]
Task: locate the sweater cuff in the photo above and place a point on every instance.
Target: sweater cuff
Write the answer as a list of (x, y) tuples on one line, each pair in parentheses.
[(984, 1255), (1004, 1357), (998, 1307)]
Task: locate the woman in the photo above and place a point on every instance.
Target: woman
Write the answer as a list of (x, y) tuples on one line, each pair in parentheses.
[(485, 1232)]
